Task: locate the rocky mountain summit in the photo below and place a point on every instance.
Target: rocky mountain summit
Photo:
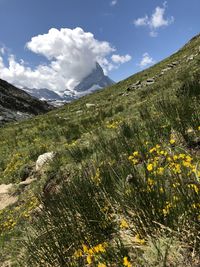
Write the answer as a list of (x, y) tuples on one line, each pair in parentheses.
[(96, 77), (15, 104)]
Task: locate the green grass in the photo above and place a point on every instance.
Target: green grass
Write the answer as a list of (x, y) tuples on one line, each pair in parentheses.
[(123, 188)]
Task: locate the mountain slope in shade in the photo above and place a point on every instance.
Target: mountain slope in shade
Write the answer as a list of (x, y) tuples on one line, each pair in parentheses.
[(43, 94), (15, 104)]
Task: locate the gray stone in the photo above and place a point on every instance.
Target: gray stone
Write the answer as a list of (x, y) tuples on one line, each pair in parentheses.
[(150, 81)]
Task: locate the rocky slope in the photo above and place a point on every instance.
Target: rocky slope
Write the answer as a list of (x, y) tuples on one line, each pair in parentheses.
[(15, 104)]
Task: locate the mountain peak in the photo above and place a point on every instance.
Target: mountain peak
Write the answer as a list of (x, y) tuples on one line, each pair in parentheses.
[(96, 77)]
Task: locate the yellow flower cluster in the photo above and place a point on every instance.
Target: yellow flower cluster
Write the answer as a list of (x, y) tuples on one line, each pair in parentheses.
[(113, 125), (89, 253), (139, 240), (135, 157), (160, 160), (167, 208), (15, 163), (124, 224), (9, 218)]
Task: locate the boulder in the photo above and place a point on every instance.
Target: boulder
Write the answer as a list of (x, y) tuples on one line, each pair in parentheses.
[(150, 81), (165, 70), (43, 159)]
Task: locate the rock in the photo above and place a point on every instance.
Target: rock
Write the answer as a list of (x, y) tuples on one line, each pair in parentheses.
[(125, 94), (129, 178), (190, 58), (165, 70), (43, 159), (135, 85), (27, 181), (5, 188), (175, 63), (79, 111), (6, 198), (150, 81), (170, 65), (138, 82), (89, 105)]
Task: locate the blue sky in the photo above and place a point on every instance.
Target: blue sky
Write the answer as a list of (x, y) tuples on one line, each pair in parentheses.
[(125, 36)]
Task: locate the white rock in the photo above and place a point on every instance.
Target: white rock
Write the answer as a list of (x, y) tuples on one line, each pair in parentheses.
[(27, 181), (6, 198), (88, 105), (5, 188), (43, 159)]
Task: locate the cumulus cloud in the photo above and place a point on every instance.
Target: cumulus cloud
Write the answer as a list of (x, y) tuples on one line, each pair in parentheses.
[(113, 3), (121, 59), (71, 55), (146, 60), (155, 21)]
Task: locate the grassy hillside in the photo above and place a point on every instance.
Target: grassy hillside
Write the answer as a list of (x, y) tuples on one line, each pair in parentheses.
[(123, 186)]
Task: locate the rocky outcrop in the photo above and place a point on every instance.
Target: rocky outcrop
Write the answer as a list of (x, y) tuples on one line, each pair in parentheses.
[(15, 104)]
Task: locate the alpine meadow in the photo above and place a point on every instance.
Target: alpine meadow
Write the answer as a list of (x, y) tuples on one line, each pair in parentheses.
[(117, 182)]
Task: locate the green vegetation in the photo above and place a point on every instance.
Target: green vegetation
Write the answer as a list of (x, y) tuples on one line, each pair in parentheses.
[(123, 188)]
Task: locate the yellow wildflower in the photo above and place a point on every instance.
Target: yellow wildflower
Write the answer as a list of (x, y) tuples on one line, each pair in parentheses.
[(150, 182), (124, 224), (152, 150), (135, 153), (85, 248), (188, 158), (167, 208), (78, 253), (194, 187), (139, 240), (89, 259), (172, 141), (101, 265), (100, 248), (126, 262), (150, 167), (160, 171)]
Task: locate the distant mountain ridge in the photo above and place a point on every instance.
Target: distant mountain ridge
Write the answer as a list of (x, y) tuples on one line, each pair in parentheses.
[(94, 81), (15, 104)]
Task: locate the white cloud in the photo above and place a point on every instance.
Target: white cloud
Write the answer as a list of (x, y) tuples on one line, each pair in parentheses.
[(142, 21), (2, 50), (146, 60), (155, 21), (121, 59), (71, 55), (113, 2)]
